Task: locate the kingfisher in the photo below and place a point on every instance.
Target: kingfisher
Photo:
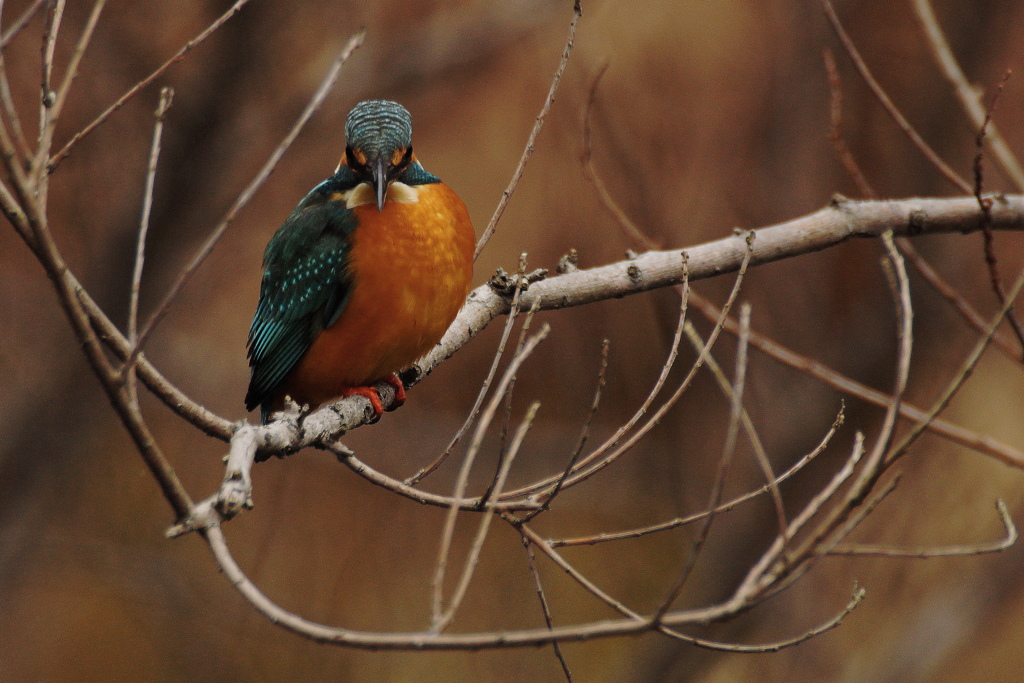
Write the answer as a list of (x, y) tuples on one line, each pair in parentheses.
[(364, 277)]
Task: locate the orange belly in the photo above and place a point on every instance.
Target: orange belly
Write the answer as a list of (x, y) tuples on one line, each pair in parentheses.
[(411, 267)]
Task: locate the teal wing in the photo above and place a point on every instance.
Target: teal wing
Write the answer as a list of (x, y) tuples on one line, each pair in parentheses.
[(306, 284)]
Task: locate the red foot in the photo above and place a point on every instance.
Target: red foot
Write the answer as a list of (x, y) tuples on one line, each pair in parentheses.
[(368, 392), (374, 396), (393, 380)]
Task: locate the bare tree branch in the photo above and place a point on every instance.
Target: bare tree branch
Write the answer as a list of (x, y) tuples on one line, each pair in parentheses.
[(438, 617)]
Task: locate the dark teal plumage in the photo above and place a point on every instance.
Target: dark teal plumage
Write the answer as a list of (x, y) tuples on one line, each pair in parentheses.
[(306, 281), (305, 286)]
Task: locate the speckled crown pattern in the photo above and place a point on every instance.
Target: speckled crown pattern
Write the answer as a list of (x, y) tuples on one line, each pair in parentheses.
[(378, 126)]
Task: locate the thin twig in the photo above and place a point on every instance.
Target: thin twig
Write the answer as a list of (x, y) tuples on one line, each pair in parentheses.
[(11, 111), (463, 479), (544, 603), (128, 371), (47, 97), (748, 426), (537, 125), (135, 89), (891, 108), (549, 497), (20, 23), (574, 573), (969, 96), (724, 463), (835, 133), (946, 551), (55, 100), (506, 420), (587, 162), (724, 507), (485, 522), (858, 595), (985, 205)]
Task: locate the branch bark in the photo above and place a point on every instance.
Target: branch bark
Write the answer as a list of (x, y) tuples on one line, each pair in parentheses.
[(841, 220)]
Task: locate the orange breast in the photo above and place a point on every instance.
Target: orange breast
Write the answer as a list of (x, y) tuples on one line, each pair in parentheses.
[(411, 266)]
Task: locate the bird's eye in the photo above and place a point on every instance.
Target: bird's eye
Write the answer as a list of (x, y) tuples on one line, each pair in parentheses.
[(356, 160)]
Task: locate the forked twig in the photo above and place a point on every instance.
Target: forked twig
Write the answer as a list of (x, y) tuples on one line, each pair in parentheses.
[(138, 87), (947, 551), (53, 101), (528, 547)]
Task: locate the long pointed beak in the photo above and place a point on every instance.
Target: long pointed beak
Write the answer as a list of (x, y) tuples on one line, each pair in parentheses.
[(380, 181)]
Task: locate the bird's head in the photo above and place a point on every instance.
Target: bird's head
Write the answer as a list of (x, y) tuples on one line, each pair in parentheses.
[(378, 137)]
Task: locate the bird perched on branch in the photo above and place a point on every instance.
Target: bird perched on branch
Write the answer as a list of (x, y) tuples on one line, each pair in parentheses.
[(365, 275)]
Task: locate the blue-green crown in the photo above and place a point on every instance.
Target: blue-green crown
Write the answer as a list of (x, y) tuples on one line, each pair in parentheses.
[(378, 127)]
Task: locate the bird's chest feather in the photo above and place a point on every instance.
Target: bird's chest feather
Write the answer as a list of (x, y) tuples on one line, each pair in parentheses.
[(411, 266)]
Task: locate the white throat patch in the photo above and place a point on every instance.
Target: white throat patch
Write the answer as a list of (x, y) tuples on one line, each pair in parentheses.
[(363, 193)]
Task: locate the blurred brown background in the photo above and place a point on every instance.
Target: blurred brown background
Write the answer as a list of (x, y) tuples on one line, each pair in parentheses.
[(712, 115)]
